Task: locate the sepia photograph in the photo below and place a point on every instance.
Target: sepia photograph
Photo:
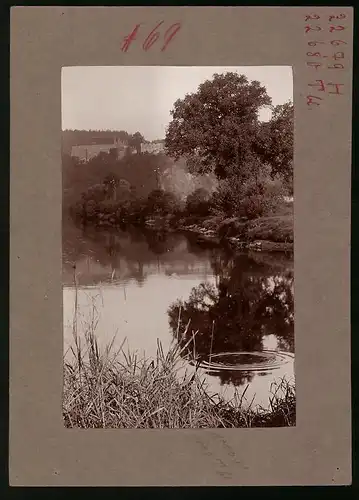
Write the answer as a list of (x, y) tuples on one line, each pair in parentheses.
[(178, 247)]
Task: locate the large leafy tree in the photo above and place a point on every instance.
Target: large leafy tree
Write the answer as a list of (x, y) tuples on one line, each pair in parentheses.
[(275, 144), (216, 128)]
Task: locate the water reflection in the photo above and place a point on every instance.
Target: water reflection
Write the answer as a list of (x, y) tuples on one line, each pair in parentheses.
[(158, 285), (249, 301), (235, 378), (109, 256)]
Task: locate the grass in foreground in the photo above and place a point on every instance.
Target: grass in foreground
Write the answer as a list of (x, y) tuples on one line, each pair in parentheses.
[(100, 391)]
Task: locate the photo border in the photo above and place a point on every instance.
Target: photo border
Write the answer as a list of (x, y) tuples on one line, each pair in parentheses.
[(42, 451)]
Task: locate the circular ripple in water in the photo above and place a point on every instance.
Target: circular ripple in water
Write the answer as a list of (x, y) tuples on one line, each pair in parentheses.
[(247, 361)]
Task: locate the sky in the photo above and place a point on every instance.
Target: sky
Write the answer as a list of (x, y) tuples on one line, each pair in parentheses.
[(140, 98)]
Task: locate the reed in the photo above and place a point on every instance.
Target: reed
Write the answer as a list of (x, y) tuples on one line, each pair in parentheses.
[(104, 388)]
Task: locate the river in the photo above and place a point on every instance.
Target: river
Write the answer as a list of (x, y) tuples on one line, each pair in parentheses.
[(142, 286)]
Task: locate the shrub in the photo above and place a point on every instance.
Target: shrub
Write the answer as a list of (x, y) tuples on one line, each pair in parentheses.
[(232, 227), (254, 197), (198, 202), (96, 193), (91, 209), (160, 202), (278, 229)]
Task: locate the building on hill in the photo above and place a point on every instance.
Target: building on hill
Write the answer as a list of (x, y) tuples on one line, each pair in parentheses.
[(152, 147), (97, 145)]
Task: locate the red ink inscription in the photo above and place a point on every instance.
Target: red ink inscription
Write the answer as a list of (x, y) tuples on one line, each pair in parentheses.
[(310, 100), (130, 38), (338, 42), (170, 33), (152, 38), (314, 65), (314, 43), (319, 84), (309, 17), (336, 66), (337, 89), (336, 28), (312, 28), (340, 16), (314, 54)]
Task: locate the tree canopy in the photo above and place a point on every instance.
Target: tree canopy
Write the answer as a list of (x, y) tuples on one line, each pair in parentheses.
[(275, 144), (217, 129)]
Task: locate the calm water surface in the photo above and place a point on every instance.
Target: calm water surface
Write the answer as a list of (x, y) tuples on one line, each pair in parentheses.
[(140, 287)]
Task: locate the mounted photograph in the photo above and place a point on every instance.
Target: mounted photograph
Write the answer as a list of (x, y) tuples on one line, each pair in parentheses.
[(178, 247)]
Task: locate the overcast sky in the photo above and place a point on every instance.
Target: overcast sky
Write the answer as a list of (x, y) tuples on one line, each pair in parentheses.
[(139, 98)]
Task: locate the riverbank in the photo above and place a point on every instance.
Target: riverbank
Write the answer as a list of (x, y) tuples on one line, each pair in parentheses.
[(103, 392), (274, 232), (270, 234)]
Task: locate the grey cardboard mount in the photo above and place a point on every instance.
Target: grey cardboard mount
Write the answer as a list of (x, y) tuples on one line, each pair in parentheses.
[(315, 452)]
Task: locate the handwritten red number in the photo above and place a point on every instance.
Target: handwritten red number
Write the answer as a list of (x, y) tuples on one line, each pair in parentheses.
[(340, 16), (170, 33), (338, 55), (336, 28), (129, 39), (314, 43), (152, 37), (338, 42), (336, 66), (337, 89), (311, 101), (311, 28), (314, 65), (320, 84), (314, 54), (311, 16)]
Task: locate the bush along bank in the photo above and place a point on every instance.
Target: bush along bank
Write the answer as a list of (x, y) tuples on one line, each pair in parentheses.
[(273, 233), (260, 226)]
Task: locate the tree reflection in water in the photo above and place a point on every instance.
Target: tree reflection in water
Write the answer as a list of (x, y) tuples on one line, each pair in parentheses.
[(249, 301), (232, 377), (250, 296)]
